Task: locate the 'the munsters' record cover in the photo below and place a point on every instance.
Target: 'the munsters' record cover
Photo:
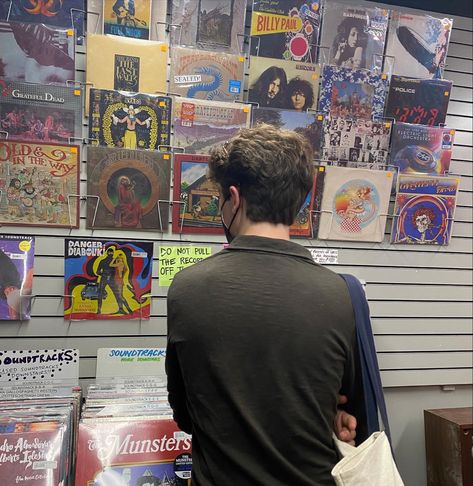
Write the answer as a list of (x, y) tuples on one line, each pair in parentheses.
[(36, 53), (286, 29), (127, 18), (107, 279), (129, 120), (43, 113), (355, 36), (354, 204), (199, 125), (37, 181), (418, 44), (207, 75), (291, 85), (420, 101), (424, 209), (16, 276), (126, 187)]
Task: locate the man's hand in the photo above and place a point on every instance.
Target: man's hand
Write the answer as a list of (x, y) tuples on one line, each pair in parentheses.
[(344, 424)]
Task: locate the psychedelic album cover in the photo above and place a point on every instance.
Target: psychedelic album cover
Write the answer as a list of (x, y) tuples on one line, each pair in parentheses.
[(418, 45), (107, 279), (419, 101), (36, 53), (129, 120), (127, 18), (317, 204), (285, 29), (206, 75), (43, 113), (128, 185), (208, 24), (354, 36), (198, 210), (302, 226), (138, 452), (354, 204), (422, 149), (360, 143), (424, 209), (36, 182), (199, 125), (352, 93), (16, 276), (276, 83)]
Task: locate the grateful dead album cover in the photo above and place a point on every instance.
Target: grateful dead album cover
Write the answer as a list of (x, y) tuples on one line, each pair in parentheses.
[(127, 18), (43, 113), (16, 276), (354, 36), (129, 120), (206, 75), (352, 93), (36, 53), (125, 188), (419, 101), (424, 209), (107, 279), (37, 181), (418, 45), (285, 29), (290, 85), (200, 125)]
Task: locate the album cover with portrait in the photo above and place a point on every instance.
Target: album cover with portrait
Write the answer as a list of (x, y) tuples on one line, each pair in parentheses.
[(354, 36), (424, 210), (206, 75), (127, 18), (129, 120), (107, 279), (289, 85), (418, 45)]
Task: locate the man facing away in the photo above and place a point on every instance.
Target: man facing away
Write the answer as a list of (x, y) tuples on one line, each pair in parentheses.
[(261, 340)]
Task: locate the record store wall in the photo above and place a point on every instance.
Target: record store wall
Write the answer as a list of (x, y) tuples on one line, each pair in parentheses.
[(420, 296)]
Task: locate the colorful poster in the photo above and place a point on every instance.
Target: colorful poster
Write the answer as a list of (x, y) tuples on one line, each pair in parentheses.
[(173, 259), (125, 187), (285, 29), (16, 278), (127, 18), (107, 279), (302, 225), (419, 101), (418, 45), (129, 120), (290, 85), (39, 184), (424, 209), (355, 36), (36, 53)]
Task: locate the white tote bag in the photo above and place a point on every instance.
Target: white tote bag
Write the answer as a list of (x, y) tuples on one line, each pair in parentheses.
[(369, 464)]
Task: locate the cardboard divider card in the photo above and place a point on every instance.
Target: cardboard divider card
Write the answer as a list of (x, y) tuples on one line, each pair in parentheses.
[(113, 362)]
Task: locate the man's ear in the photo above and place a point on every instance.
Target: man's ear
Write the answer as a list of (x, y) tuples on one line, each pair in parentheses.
[(235, 198)]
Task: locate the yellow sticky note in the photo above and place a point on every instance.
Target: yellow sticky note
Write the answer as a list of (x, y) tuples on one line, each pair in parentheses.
[(452, 132), (172, 259), (241, 59), (162, 103), (70, 32), (321, 169), (77, 92), (164, 48), (387, 125), (166, 156), (246, 109), (384, 76), (446, 93), (73, 150), (389, 174), (320, 117), (314, 77)]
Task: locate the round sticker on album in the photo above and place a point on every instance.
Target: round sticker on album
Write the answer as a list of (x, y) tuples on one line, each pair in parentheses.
[(183, 465)]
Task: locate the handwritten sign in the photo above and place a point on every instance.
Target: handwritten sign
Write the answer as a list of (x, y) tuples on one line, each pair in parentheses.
[(115, 362), (172, 259), (324, 256)]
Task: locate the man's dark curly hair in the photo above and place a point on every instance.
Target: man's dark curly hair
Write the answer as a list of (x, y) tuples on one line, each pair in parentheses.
[(298, 85)]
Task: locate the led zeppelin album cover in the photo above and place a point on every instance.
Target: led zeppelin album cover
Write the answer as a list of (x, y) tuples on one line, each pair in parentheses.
[(129, 120), (419, 101), (206, 75), (125, 188), (127, 19)]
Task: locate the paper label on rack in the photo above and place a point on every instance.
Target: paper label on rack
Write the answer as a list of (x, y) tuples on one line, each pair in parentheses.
[(324, 256), (116, 362)]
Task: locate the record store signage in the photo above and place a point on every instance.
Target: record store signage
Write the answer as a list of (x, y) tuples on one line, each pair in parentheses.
[(120, 362)]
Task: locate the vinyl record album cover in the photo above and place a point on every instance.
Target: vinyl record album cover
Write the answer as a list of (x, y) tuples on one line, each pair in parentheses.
[(206, 75), (290, 85), (129, 120), (39, 184), (420, 101), (354, 204), (200, 125), (285, 29), (16, 276), (129, 185), (424, 209), (107, 279), (302, 226), (354, 36), (418, 44), (36, 53), (43, 113), (127, 18), (352, 93)]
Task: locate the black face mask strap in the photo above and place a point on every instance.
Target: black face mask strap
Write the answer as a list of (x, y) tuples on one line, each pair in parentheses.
[(226, 228)]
